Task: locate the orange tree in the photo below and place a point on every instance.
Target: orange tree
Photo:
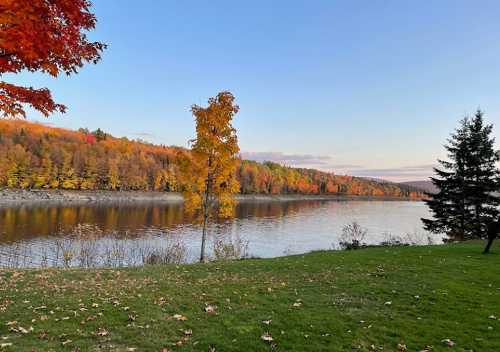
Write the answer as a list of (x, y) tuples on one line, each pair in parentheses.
[(42, 36), (209, 169)]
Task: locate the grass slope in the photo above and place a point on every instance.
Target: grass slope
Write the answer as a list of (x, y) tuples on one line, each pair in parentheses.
[(367, 300)]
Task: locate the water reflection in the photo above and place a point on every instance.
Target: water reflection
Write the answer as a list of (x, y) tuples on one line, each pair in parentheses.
[(22, 223), (271, 228)]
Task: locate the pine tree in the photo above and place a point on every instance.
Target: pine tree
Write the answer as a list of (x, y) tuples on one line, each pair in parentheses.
[(465, 204), (99, 135)]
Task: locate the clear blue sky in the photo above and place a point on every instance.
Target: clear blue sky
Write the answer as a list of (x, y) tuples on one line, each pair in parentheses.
[(370, 88)]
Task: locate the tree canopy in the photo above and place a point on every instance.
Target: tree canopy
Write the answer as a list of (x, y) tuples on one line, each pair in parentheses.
[(47, 36), (209, 171)]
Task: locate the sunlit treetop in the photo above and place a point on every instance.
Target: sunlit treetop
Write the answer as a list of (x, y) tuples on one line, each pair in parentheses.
[(212, 163), (46, 36)]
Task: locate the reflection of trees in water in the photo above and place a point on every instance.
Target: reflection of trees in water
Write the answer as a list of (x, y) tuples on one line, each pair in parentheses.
[(29, 222), (274, 209), (22, 223)]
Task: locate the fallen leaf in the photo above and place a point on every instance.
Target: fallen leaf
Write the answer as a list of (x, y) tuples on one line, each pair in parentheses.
[(102, 332), (448, 342), (267, 337), (179, 317), (210, 309)]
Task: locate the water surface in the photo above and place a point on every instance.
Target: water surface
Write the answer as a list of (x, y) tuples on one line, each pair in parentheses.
[(270, 228)]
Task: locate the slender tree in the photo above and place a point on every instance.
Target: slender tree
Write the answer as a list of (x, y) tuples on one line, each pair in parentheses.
[(45, 36), (209, 170), (465, 203)]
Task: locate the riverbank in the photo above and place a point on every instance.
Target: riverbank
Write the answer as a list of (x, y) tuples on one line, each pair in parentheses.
[(12, 197), (431, 298)]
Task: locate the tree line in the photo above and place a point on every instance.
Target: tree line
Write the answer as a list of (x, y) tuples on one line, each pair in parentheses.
[(36, 156)]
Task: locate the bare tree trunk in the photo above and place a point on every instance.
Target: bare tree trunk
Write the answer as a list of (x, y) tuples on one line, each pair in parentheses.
[(493, 230), (488, 245), (206, 212), (204, 234)]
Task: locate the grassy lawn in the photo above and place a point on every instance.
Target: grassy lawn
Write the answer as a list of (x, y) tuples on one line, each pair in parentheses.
[(367, 300)]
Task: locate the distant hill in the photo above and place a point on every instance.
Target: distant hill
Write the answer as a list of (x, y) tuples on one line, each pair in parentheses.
[(426, 186), (34, 156)]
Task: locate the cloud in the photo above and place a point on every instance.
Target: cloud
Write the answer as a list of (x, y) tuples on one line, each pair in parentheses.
[(326, 163), (344, 166), (406, 173), (288, 159), (45, 123), (143, 135)]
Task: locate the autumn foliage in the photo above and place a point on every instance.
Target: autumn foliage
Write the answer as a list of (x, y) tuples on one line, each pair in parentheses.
[(47, 36), (210, 166), (37, 156), (209, 169)]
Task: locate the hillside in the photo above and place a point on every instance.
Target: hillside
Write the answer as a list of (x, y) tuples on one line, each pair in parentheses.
[(426, 186), (34, 155)]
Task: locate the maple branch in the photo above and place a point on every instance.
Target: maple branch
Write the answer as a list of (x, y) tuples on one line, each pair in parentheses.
[(13, 97)]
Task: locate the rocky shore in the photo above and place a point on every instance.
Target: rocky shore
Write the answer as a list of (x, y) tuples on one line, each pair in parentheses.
[(11, 197), (14, 196)]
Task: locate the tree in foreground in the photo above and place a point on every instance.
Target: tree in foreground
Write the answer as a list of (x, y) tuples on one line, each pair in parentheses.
[(465, 205), (209, 169), (45, 36)]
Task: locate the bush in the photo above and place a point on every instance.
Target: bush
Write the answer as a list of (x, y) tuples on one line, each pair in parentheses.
[(352, 237), (173, 253), (230, 249)]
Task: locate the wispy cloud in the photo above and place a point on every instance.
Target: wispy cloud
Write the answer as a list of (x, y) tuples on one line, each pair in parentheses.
[(144, 135), (326, 163), (406, 173), (287, 159)]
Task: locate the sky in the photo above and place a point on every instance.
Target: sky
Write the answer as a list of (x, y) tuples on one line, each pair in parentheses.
[(367, 88)]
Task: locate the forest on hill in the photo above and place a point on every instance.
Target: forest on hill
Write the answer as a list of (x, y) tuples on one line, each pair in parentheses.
[(36, 156)]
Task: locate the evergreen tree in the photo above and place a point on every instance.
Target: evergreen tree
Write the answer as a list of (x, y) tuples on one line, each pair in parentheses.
[(465, 204), (99, 135)]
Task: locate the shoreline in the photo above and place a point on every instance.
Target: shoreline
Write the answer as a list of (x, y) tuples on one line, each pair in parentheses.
[(14, 197)]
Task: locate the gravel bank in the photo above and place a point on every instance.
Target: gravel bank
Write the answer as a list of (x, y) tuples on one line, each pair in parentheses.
[(11, 197)]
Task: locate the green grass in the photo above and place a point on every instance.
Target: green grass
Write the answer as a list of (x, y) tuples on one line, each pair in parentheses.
[(323, 301)]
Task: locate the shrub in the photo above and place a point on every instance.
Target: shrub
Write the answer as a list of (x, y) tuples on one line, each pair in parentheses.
[(230, 249), (172, 253), (353, 236)]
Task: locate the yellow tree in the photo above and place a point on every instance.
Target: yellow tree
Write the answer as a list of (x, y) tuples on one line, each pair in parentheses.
[(209, 170)]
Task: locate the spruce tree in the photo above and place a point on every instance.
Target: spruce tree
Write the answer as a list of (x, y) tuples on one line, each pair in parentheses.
[(465, 204)]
